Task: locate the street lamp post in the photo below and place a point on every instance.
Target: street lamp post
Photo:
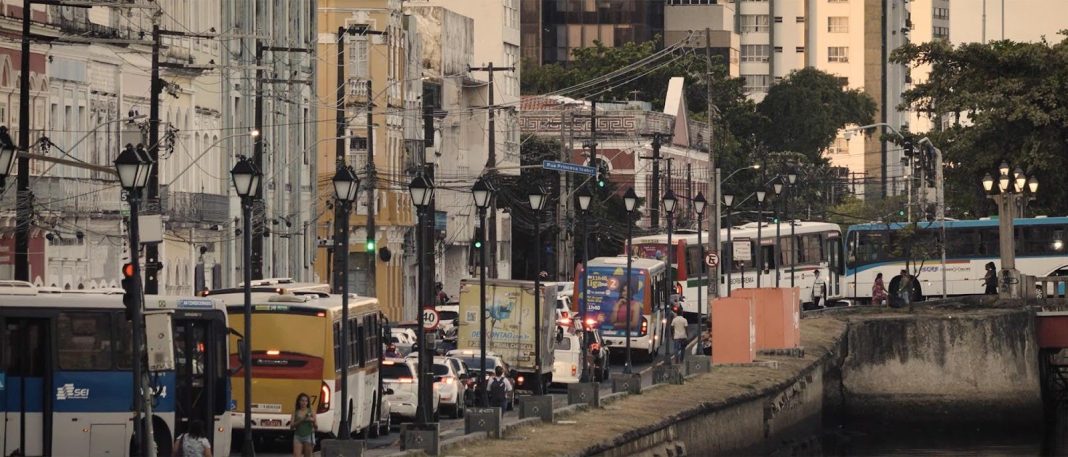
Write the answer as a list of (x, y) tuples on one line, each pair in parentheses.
[(246, 179), (760, 194), (1013, 193), (481, 193), (133, 169), (630, 202), (791, 179), (699, 203), (422, 193), (777, 187), (7, 160), (346, 184), (728, 200), (584, 197), (537, 202), (669, 208)]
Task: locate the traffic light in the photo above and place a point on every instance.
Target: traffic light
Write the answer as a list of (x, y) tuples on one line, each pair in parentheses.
[(908, 148), (602, 175), (477, 241), (129, 286), (370, 246)]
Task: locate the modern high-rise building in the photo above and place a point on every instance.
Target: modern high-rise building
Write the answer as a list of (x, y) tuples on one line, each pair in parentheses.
[(552, 29)]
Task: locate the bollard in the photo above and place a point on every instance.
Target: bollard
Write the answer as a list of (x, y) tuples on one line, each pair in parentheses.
[(421, 437), (483, 420), (629, 383), (696, 365), (585, 392), (536, 406), (339, 448)]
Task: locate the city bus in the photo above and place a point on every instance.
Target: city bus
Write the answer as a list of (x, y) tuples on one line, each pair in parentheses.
[(66, 385), (813, 246), (873, 249), (607, 301), (296, 348)]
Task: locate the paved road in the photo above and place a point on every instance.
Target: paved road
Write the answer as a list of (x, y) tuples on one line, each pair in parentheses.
[(451, 428)]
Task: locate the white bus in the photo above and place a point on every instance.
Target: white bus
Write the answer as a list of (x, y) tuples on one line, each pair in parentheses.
[(812, 246), (874, 248), (296, 348), (67, 382), (607, 301)]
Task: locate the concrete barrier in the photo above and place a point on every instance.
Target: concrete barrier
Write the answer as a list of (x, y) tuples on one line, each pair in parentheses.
[(483, 420), (424, 438), (342, 448), (630, 383), (669, 373), (536, 406), (588, 393)]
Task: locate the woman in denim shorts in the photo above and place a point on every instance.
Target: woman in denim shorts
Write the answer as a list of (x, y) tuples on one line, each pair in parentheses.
[(303, 425)]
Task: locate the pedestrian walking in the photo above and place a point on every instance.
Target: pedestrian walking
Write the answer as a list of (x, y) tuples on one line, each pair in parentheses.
[(192, 443), (303, 425), (499, 387), (905, 289), (678, 330), (990, 279), (878, 291), (819, 289)]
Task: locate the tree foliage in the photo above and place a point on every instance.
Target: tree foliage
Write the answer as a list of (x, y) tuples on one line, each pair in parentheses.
[(1000, 101)]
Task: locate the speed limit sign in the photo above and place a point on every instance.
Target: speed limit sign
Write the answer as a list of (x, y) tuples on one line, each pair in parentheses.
[(430, 319)]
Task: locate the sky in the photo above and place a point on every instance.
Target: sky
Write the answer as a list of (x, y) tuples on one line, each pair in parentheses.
[(1025, 20)]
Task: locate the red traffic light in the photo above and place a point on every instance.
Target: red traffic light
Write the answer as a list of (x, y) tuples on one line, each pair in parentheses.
[(128, 270)]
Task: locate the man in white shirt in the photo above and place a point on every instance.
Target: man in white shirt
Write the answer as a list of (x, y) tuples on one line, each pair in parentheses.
[(819, 286), (678, 330)]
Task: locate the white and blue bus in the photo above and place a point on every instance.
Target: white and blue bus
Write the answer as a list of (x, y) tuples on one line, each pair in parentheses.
[(66, 384), (1040, 251)]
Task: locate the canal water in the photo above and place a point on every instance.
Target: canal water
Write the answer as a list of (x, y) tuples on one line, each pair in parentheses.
[(862, 440)]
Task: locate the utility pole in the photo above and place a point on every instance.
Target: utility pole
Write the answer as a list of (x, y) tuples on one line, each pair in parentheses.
[(713, 178), (689, 190), (491, 161), (23, 198), (564, 256), (654, 191)]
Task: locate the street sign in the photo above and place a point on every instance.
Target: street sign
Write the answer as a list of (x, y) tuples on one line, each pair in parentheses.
[(568, 167), (743, 250), (712, 259), (430, 319)]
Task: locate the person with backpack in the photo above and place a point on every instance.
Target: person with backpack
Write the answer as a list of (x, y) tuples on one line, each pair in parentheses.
[(192, 443), (499, 387)]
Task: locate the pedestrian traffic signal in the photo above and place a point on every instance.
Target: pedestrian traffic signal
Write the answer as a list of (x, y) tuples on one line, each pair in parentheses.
[(129, 286)]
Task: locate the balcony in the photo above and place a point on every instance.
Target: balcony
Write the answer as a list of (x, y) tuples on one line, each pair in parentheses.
[(195, 207)]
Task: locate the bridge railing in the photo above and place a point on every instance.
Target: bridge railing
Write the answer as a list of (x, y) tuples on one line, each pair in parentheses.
[(1051, 286)]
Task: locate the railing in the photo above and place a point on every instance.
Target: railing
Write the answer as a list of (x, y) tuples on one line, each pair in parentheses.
[(195, 207), (1051, 286)]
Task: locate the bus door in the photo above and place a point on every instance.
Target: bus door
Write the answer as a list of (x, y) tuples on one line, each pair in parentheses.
[(200, 377), (27, 407), (833, 248)]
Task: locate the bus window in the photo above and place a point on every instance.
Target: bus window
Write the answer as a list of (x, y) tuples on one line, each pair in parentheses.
[(988, 242), (84, 341), (695, 265), (122, 337), (788, 247), (961, 243)]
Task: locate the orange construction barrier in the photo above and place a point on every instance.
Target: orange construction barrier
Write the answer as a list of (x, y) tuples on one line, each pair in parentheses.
[(778, 316), (733, 330)]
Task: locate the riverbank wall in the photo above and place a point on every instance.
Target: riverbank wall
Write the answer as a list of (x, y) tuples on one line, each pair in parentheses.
[(945, 364)]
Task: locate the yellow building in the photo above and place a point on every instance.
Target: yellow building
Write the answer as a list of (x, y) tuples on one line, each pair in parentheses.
[(394, 213)]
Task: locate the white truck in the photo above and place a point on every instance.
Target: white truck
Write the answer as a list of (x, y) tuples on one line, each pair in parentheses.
[(511, 325)]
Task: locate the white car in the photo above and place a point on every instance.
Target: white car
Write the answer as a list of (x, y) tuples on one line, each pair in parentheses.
[(567, 358), (450, 384), (398, 375), (403, 338)]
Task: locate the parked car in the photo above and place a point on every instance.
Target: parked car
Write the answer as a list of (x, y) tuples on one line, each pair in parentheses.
[(471, 358), (398, 376), (403, 338)]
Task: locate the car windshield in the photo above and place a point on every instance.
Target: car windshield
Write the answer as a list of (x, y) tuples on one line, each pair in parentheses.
[(473, 363), (447, 315), (396, 371), (440, 369)]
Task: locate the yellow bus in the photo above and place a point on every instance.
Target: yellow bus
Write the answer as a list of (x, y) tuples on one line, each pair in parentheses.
[(296, 348)]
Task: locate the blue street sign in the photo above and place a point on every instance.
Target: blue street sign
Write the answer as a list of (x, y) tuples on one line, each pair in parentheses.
[(568, 167)]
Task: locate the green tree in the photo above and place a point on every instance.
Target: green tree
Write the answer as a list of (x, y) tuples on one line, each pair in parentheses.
[(804, 112), (1002, 101)]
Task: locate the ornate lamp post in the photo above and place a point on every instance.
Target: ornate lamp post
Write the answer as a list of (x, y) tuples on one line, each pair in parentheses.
[(699, 203), (133, 169), (669, 207), (246, 179), (7, 160), (422, 193), (481, 193), (346, 184), (791, 180), (1013, 194), (728, 260), (537, 202), (583, 196), (760, 194), (630, 202), (777, 187)]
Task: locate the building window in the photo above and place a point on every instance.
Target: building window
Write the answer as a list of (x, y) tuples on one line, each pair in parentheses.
[(941, 32), (511, 14), (838, 54), (941, 13), (800, 20), (755, 53), (842, 81), (756, 83), (692, 2), (778, 48), (755, 23), (799, 49), (839, 146), (838, 24), (778, 19), (837, 1)]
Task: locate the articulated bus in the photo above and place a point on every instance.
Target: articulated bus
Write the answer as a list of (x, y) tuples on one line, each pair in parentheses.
[(813, 246), (607, 301), (1040, 251), (296, 348), (66, 385)]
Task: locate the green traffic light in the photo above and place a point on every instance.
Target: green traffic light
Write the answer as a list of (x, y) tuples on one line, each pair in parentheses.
[(478, 244), (370, 245), (600, 183)]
